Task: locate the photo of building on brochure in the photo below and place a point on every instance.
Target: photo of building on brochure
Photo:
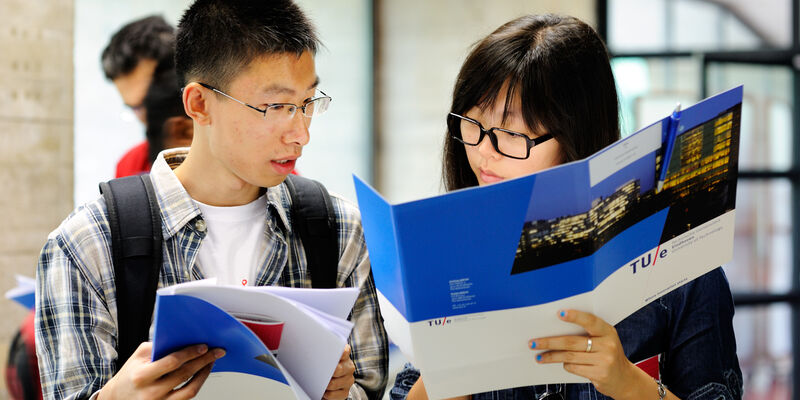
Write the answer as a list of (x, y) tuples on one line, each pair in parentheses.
[(700, 185)]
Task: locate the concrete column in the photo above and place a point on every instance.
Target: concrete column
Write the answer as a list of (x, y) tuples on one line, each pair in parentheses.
[(36, 129)]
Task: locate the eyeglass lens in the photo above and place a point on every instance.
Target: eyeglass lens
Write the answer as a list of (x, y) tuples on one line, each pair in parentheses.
[(507, 143), (311, 109)]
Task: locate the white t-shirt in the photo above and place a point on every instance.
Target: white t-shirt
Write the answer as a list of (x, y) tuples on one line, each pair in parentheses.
[(234, 242)]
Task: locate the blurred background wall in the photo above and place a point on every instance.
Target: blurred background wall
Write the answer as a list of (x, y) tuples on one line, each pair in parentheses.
[(420, 49), (390, 66), (36, 141)]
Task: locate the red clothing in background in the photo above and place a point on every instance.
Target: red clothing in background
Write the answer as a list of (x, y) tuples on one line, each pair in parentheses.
[(135, 161)]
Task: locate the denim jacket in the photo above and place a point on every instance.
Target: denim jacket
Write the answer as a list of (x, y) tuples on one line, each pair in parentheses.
[(690, 327)]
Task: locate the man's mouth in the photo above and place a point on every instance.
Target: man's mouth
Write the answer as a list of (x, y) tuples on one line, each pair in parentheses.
[(284, 166)]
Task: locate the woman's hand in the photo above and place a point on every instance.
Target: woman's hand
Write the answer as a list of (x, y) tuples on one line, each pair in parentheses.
[(598, 357)]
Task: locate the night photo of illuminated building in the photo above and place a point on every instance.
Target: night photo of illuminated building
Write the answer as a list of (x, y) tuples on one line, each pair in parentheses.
[(700, 183)]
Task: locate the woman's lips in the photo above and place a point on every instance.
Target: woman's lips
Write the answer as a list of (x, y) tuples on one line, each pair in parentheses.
[(489, 176)]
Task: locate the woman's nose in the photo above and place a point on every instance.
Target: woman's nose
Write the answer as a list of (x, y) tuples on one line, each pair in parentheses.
[(486, 148)]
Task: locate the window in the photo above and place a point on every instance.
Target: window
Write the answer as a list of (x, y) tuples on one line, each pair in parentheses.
[(668, 51)]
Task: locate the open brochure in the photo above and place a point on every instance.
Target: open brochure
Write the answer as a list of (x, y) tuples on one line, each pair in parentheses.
[(466, 278), (280, 343), (24, 293)]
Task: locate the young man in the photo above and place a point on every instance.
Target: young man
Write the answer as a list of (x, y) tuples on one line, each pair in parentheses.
[(137, 52), (250, 87)]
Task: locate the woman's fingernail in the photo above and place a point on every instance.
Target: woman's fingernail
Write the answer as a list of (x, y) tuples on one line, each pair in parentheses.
[(539, 357), (201, 349), (562, 313), (533, 345), (219, 353)]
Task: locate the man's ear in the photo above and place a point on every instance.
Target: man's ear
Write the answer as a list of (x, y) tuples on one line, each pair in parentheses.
[(196, 102)]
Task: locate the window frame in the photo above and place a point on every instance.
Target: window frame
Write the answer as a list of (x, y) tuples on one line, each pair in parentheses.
[(770, 57)]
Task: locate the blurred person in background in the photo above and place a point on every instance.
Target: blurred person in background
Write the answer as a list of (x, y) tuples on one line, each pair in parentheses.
[(168, 126), (135, 54), (139, 60)]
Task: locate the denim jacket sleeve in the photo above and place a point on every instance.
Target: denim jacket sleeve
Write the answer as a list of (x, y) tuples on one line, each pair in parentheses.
[(700, 362)]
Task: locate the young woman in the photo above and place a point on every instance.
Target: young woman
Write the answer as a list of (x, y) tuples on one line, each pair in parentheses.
[(539, 92), (168, 126)]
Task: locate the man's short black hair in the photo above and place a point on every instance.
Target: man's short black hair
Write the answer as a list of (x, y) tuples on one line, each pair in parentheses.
[(216, 39), (150, 37)]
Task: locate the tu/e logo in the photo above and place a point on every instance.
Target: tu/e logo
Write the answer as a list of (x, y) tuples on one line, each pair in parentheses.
[(648, 259), (440, 322)]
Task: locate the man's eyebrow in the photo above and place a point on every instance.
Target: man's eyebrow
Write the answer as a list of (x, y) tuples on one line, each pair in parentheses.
[(315, 84), (280, 89)]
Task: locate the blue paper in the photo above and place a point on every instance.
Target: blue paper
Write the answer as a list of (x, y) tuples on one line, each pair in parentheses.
[(182, 321)]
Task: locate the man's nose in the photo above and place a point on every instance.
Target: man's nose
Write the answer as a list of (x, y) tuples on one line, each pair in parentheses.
[(298, 129)]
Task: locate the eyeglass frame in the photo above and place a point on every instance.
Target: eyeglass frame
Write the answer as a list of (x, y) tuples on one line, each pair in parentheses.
[(530, 143), (270, 105)]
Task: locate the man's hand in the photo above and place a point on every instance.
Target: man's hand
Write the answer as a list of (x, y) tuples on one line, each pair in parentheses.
[(342, 379), (140, 378)]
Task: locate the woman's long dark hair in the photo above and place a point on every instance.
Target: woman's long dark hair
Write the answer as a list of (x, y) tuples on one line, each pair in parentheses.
[(559, 67), (162, 102)]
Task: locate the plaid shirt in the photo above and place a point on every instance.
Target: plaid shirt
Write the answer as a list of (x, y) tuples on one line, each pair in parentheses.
[(76, 310)]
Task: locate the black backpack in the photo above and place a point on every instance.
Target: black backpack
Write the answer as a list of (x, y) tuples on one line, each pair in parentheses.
[(135, 222)]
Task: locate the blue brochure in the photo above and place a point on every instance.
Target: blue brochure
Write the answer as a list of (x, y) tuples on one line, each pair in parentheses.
[(280, 343), (492, 265), (24, 293), (185, 320)]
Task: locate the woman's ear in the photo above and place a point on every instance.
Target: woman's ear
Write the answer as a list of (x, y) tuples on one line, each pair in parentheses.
[(178, 132), (195, 103)]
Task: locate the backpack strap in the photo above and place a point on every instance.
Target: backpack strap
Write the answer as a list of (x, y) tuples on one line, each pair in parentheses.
[(315, 222), (135, 223)]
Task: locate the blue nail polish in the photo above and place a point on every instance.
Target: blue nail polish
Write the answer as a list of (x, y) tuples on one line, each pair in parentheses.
[(563, 314), (533, 345), (539, 357)]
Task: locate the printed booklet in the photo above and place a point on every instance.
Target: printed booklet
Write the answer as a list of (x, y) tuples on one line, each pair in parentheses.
[(24, 293), (280, 343), (467, 278)]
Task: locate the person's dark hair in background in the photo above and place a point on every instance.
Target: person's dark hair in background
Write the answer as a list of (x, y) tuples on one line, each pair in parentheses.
[(151, 39), (210, 48), (168, 125), (135, 54), (560, 68), (147, 38)]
